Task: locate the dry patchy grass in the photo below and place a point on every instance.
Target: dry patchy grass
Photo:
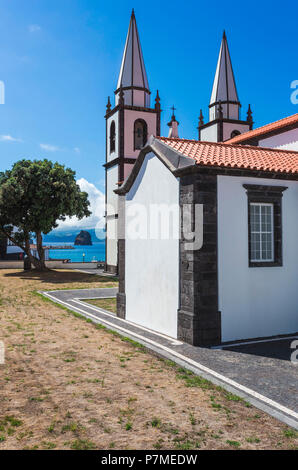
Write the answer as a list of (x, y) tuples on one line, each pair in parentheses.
[(106, 304), (68, 384)]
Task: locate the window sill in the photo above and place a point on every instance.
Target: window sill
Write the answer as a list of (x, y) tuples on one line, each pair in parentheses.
[(264, 264)]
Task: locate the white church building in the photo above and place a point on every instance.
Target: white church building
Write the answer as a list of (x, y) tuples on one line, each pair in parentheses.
[(234, 191)]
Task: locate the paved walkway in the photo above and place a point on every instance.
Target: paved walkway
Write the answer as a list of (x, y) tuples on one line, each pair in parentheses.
[(261, 373)]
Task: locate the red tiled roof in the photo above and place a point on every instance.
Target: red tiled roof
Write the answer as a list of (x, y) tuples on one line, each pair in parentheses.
[(265, 129), (235, 156)]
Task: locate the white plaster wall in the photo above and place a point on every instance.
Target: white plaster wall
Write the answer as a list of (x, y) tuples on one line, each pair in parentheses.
[(112, 209), (209, 134), (112, 242), (152, 266), (130, 117), (112, 198), (255, 302), (286, 141), (212, 113)]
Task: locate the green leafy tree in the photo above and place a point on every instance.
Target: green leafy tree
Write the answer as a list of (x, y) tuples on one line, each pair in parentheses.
[(34, 197)]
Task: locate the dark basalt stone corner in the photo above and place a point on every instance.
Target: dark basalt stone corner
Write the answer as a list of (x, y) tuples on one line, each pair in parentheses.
[(199, 331), (209, 331), (121, 297), (121, 305), (110, 269), (187, 327), (199, 321)]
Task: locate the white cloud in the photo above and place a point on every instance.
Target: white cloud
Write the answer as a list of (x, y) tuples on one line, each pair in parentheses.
[(9, 138), (97, 207), (34, 28), (49, 148), (77, 150)]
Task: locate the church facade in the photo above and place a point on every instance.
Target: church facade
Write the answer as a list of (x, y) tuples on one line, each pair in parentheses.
[(235, 189)]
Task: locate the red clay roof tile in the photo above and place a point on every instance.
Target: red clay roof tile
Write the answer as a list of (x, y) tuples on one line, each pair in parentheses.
[(236, 156), (265, 129)]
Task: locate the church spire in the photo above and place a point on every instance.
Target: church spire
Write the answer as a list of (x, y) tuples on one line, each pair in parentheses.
[(224, 87), (173, 125), (133, 77)]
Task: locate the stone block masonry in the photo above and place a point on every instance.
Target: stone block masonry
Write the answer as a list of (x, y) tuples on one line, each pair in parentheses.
[(199, 321)]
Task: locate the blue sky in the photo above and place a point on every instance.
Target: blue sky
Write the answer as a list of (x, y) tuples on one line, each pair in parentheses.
[(60, 60)]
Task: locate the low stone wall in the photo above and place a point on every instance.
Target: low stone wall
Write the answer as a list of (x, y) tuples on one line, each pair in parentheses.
[(53, 264), (11, 264)]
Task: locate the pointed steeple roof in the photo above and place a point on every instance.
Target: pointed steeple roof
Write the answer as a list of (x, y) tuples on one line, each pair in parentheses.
[(133, 72), (224, 87), (173, 125)]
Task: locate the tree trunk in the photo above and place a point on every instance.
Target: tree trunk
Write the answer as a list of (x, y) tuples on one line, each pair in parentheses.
[(3, 246), (35, 261), (40, 251), (39, 265)]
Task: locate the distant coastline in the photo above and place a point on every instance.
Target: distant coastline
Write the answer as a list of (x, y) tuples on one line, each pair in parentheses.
[(61, 246), (58, 247), (77, 254), (68, 236)]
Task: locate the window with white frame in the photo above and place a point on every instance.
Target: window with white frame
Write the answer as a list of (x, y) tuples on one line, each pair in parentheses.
[(261, 232), (264, 225)]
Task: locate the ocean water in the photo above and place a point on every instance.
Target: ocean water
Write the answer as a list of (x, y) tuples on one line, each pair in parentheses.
[(96, 252)]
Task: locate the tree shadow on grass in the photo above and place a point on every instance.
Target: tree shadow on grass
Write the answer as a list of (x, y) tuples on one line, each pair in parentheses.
[(61, 277)]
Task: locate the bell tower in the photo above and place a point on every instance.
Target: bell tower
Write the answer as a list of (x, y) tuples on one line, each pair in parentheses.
[(224, 108), (128, 125)]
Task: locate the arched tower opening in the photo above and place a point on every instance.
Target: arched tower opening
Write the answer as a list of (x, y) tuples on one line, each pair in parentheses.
[(140, 134)]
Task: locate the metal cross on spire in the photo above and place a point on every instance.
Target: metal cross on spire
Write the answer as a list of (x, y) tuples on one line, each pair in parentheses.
[(173, 125)]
